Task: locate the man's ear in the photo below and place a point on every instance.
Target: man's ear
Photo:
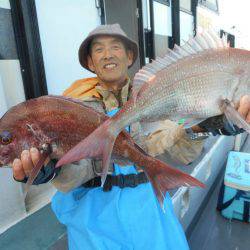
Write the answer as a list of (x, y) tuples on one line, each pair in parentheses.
[(130, 57), (90, 64)]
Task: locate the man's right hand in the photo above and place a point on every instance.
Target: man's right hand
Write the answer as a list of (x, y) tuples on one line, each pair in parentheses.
[(29, 158), (23, 166)]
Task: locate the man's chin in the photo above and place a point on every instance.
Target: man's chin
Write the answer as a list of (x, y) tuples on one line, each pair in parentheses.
[(112, 79)]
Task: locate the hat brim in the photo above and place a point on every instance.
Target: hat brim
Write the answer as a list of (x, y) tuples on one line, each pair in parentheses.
[(85, 45)]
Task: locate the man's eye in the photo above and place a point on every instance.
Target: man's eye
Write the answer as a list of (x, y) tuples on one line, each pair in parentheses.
[(5, 138), (98, 50), (116, 47)]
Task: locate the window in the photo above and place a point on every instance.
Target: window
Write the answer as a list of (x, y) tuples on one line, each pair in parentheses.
[(185, 5), (210, 4), (166, 2)]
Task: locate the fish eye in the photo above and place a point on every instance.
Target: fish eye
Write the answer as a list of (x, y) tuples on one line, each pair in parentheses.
[(5, 138)]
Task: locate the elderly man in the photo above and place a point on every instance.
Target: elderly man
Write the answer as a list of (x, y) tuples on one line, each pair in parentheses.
[(122, 216)]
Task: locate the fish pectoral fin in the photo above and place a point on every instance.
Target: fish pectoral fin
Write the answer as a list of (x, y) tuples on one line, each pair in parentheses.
[(233, 115), (38, 133), (99, 144), (35, 171)]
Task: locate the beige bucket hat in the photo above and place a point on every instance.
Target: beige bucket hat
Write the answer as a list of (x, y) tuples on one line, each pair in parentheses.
[(110, 30)]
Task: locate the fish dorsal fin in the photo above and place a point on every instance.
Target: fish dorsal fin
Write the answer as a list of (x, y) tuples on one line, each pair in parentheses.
[(206, 40)]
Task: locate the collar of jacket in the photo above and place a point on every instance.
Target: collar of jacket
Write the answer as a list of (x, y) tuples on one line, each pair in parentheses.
[(88, 89), (112, 101)]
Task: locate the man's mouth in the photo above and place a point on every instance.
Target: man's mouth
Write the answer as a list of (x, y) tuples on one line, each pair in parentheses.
[(110, 66)]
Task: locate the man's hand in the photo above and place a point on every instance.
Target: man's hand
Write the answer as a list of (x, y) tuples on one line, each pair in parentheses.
[(29, 158), (244, 107), (22, 167)]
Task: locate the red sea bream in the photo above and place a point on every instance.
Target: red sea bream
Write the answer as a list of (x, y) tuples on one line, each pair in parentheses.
[(55, 124)]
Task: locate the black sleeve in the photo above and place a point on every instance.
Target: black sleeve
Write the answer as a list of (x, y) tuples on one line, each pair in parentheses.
[(46, 174), (219, 125)]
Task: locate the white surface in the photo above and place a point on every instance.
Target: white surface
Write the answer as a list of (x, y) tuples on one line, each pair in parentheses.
[(5, 4), (237, 142), (207, 19), (12, 82), (162, 19), (186, 26), (3, 104), (235, 19), (63, 25), (146, 14)]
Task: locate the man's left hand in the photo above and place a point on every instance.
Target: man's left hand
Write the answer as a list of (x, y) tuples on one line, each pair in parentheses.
[(211, 124), (244, 107)]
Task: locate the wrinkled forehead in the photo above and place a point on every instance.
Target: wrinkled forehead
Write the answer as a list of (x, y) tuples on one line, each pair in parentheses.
[(106, 40)]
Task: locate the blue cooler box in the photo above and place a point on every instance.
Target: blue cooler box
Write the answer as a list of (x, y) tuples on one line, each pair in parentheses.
[(234, 197)]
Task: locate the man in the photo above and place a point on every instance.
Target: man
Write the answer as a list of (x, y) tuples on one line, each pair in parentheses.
[(123, 215)]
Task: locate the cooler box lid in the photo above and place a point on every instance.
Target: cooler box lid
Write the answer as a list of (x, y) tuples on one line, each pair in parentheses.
[(237, 173)]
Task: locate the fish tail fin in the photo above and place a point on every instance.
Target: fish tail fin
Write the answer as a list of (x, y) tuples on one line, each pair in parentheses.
[(164, 178), (98, 144)]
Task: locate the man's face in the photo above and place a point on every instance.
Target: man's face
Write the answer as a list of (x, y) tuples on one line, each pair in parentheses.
[(109, 59)]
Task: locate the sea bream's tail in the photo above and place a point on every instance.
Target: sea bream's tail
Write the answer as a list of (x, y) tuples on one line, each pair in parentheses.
[(99, 145), (164, 178)]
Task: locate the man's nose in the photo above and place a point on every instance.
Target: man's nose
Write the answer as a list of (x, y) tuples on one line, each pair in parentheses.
[(107, 53)]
